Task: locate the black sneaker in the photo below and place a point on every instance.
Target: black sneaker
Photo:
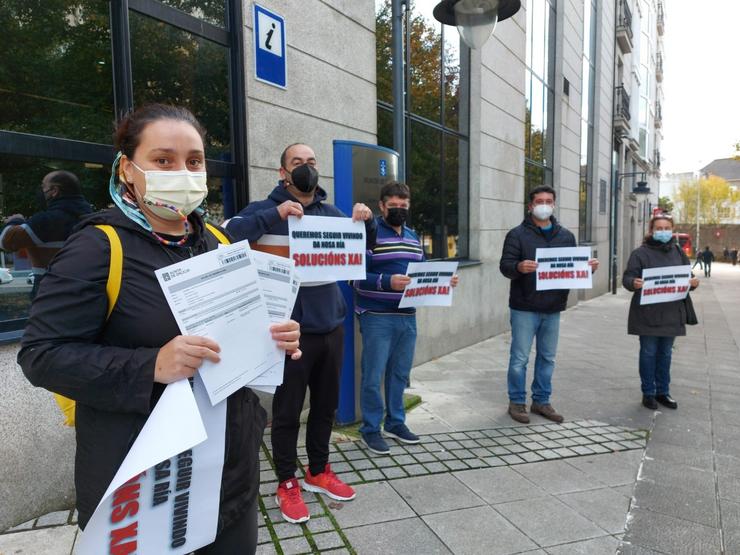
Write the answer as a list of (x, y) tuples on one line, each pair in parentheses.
[(666, 401), (402, 434), (375, 443), (648, 401)]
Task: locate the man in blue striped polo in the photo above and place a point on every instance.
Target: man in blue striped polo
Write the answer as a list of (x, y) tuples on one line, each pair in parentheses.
[(388, 332)]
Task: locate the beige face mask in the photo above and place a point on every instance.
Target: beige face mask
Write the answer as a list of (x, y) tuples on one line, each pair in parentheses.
[(173, 194)]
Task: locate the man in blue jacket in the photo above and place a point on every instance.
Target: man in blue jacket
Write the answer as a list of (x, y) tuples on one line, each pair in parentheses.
[(388, 332), (534, 313), (320, 309)]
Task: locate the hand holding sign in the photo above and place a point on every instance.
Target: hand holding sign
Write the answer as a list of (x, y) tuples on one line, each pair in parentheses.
[(399, 282), (430, 284)]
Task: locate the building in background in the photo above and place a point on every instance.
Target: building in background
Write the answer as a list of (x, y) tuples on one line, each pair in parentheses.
[(566, 94)]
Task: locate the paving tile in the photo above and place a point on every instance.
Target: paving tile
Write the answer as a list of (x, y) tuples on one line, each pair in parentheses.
[(363, 464), (410, 535), (46, 541), (729, 487), (23, 526), (266, 549), (667, 534), (678, 502), (557, 476), (612, 469), (604, 507), (435, 467), (328, 540), (287, 530), (316, 525), (437, 493), (499, 485), (263, 534), (731, 525), (678, 475), (295, 546), (375, 502), (404, 459), (478, 530), (371, 474), (394, 472), (549, 521), (456, 465), (606, 545)]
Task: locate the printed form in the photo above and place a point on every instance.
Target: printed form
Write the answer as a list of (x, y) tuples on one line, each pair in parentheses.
[(218, 295)]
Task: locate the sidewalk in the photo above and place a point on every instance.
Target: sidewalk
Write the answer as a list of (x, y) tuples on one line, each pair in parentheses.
[(477, 484)]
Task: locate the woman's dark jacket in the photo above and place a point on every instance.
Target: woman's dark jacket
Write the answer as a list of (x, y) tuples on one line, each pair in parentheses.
[(659, 319), (107, 367), (521, 243)]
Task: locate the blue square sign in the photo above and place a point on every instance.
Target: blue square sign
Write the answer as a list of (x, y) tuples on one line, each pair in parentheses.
[(270, 54)]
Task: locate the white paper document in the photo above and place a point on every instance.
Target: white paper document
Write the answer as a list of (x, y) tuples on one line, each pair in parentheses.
[(279, 283), (217, 295), (666, 284), (430, 284), (326, 248), (166, 493), (563, 268)]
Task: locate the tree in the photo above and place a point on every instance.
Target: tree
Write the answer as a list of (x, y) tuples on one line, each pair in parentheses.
[(717, 200), (432, 75), (665, 204)]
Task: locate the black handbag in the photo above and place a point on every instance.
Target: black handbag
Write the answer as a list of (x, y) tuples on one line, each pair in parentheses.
[(691, 318)]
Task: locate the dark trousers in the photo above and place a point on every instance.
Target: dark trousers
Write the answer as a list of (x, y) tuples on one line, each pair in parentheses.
[(318, 369), (240, 537)]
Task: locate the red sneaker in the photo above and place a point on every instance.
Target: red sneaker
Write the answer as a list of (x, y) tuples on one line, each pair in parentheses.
[(288, 497), (327, 482)]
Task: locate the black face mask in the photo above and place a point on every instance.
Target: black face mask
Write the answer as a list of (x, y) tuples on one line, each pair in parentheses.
[(305, 178), (397, 216)]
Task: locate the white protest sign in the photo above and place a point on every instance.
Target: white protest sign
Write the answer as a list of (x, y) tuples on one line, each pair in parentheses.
[(666, 284), (326, 248), (563, 268), (165, 496), (430, 284)]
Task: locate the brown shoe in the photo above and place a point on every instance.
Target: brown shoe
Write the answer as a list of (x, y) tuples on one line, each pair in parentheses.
[(519, 413), (547, 411)]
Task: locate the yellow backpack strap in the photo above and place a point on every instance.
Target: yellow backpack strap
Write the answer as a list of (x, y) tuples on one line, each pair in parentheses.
[(115, 270), (112, 289), (218, 234)]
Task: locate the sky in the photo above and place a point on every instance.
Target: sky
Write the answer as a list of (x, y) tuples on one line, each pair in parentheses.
[(701, 83)]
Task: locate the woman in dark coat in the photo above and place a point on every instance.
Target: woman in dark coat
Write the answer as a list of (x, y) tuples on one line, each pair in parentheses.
[(657, 324), (116, 366)]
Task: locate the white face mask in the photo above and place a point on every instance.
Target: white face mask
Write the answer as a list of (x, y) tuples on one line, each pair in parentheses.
[(542, 211), (172, 193)]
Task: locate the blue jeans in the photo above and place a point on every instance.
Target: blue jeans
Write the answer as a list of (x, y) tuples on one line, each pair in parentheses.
[(655, 364), (525, 326), (388, 343)]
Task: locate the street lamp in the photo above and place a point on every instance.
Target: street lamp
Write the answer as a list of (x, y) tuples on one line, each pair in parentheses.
[(475, 19), (640, 188)]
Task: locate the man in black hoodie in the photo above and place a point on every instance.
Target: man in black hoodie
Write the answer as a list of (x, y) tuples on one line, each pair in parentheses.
[(320, 309), (534, 313), (44, 233)]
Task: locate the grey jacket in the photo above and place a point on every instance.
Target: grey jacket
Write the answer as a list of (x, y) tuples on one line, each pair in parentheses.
[(661, 319)]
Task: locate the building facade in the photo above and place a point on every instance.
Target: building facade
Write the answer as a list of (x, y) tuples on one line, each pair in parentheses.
[(565, 93)]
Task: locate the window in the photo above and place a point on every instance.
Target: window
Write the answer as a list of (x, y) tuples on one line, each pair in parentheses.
[(437, 129), (585, 196), (69, 67), (540, 95)]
